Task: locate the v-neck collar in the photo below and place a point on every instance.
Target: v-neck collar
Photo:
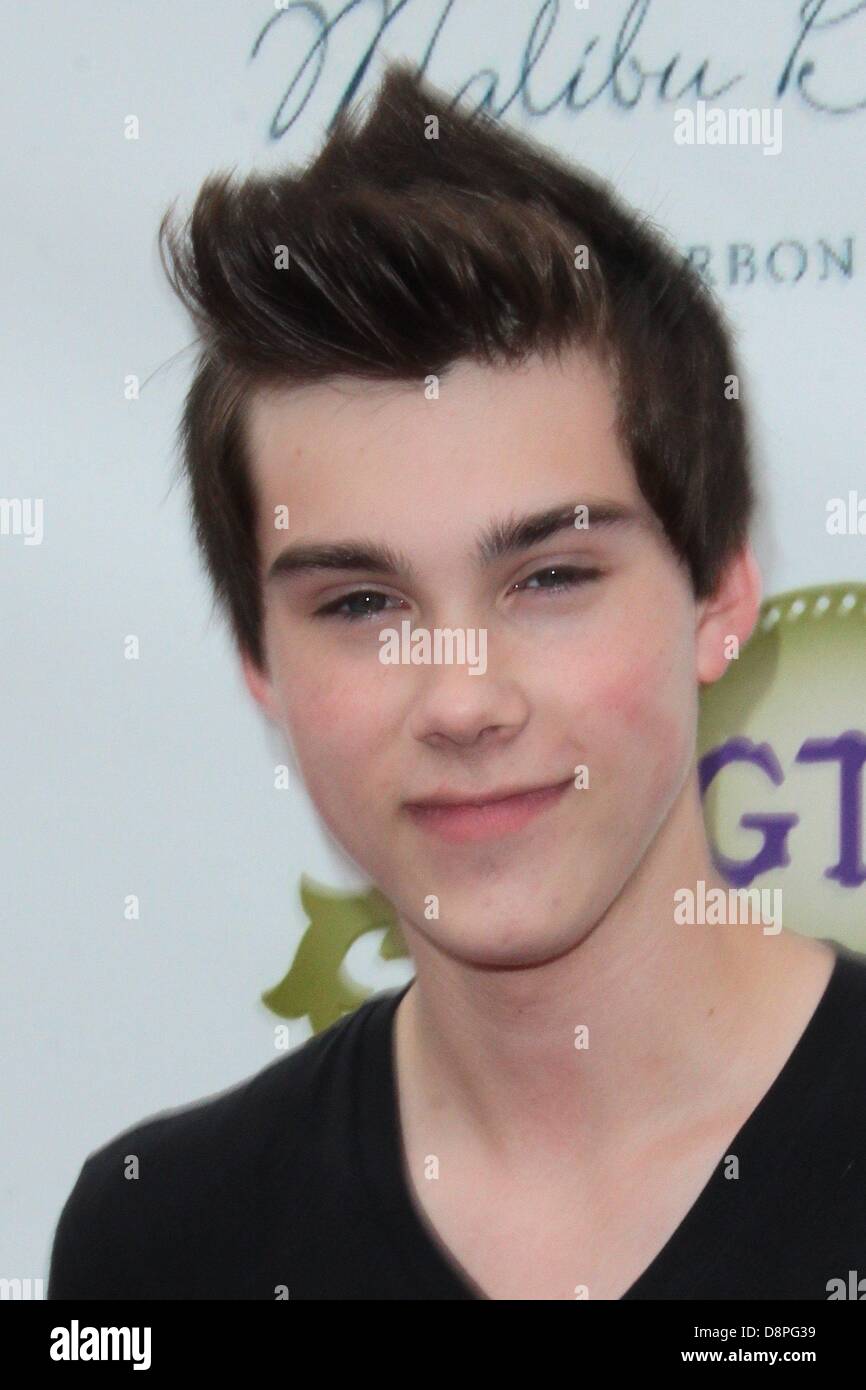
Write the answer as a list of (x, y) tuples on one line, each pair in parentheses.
[(711, 1231)]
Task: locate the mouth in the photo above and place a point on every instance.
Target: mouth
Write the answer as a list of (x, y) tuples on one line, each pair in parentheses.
[(460, 822)]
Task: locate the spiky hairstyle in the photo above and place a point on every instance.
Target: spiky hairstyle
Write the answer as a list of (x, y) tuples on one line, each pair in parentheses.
[(425, 234)]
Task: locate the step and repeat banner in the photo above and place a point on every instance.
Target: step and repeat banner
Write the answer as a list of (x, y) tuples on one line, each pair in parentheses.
[(175, 907)]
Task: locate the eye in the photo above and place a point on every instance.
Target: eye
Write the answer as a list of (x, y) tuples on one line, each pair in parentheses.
[(341, 608), (337, 609), (571, 578)]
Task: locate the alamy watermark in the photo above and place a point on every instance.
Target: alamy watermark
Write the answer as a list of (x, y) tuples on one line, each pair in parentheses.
[(719, 125), (21, 1289), (22, 516), (444, 646), (77, 1343), (846, 519), (717, 907)]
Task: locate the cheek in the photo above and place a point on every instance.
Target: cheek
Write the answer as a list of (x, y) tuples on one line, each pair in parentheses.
[(338, 733), (648, 706), (638, 693), (341, 739)]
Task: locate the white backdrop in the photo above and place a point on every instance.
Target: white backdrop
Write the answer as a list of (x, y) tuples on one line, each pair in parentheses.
[(155, 776)]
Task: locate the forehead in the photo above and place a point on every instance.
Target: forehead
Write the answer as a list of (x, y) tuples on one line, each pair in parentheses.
[(478, 438)]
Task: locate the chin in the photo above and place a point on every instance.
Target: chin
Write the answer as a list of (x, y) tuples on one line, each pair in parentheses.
[(514, 939)]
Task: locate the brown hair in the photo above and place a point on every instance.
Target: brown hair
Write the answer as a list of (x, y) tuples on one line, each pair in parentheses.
[(411, 247)]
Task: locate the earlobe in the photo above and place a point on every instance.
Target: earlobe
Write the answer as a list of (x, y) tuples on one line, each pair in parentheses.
[(259, 685), (727, 618)]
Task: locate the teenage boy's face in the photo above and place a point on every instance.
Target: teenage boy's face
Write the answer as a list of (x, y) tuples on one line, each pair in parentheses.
[(599, 671)]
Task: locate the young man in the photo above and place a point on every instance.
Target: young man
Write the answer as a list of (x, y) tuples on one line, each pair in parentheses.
[(493, 401)]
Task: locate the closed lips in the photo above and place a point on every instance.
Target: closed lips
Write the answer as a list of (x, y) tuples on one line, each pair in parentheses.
[(486, 799)]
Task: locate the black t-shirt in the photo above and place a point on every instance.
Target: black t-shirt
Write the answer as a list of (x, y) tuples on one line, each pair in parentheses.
[(292, 1184)]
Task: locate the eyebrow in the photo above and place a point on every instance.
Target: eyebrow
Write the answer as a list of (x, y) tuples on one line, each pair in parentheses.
[(500, 538)]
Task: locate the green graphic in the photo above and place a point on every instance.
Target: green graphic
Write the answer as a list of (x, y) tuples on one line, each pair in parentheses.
[(316, 986), (797, 695)]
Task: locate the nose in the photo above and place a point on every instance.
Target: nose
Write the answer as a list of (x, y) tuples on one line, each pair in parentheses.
[(452, 706)]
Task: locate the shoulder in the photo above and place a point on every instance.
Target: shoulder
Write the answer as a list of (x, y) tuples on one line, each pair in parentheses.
[(840, 1032), (172, 1171), (846, 1002), (819, 1101)]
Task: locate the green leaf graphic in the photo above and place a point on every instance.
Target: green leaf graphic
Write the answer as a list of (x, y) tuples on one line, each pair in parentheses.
[(316, 986)]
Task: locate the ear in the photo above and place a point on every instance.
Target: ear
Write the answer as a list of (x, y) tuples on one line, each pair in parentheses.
[(731, 611), (260, 686)]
